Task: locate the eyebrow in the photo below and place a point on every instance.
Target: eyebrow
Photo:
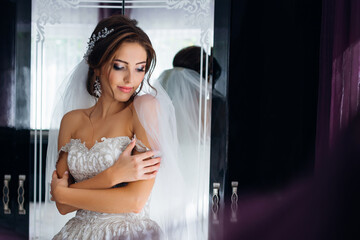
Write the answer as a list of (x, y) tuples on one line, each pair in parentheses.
[(119, 60)]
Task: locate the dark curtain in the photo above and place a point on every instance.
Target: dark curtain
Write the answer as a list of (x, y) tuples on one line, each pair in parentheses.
[(339, 73), (7, 63)]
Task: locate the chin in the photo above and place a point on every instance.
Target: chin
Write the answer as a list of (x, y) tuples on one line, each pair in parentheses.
[(123, 98)]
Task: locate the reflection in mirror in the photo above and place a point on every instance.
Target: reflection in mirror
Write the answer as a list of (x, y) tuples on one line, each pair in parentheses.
[(189, 91), (59, 41)]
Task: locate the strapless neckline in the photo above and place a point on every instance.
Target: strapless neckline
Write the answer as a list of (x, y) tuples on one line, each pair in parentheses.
[(84, 163), (102, 140)]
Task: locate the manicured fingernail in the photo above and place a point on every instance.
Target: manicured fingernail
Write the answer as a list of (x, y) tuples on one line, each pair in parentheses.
[(66, 172), (133, 140), (156, 153)]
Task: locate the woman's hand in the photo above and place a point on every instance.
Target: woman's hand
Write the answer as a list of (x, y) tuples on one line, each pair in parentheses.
[(129, 168), (57, 183)]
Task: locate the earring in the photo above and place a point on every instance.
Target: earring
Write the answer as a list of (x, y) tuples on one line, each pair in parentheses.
[(97, 87)]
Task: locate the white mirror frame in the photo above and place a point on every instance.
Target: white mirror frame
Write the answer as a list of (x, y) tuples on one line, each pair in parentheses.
[(199, 13)]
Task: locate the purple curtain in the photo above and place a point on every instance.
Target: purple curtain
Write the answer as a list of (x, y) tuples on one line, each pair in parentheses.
[(339, 95)]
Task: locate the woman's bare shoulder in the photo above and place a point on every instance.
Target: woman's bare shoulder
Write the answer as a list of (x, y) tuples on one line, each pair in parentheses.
[(75, 115), (73, 119), (145, 107), (145, 99)]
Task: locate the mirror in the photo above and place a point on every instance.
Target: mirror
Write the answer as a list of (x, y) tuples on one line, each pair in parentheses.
[(60, 32)]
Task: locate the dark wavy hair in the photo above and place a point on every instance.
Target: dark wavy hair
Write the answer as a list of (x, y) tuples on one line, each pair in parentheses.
[(190, 57), (125, 30)]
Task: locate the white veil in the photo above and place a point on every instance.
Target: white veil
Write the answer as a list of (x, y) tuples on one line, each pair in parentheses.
[(71, 95), (156, 114), (191, 101)]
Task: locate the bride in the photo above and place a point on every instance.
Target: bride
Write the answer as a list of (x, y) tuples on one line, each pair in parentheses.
[(109, 152)]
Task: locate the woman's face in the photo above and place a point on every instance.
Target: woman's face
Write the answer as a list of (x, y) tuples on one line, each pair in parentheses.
[(127, 71)]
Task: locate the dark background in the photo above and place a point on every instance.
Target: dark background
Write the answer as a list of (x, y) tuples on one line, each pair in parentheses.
[(273, 84), (264, 127), (15, 146)]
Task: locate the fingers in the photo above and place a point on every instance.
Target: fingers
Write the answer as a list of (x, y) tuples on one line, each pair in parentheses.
[(150, 175), (66, 175), (152, 168), (145, 155), (52, 198), (150, 165), (130, 147), (55, 176), (151, 161)]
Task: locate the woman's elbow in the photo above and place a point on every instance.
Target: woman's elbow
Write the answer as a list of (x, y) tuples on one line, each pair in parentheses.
[(63, 210), (137, 208), (139, 204)]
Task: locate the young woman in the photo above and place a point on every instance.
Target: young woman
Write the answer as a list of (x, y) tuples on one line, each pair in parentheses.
[(105, 169)]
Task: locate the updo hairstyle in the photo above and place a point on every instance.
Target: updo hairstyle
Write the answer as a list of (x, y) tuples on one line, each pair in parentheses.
[(125, 30)]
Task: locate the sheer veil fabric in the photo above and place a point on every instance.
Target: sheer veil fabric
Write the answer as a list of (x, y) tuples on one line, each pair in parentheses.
[(156, 114), (188, 95)]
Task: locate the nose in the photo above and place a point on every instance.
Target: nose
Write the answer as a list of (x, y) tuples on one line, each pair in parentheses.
[(128, 78)]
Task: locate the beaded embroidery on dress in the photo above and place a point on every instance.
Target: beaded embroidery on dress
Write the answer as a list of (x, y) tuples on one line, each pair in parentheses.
[(85, 163)]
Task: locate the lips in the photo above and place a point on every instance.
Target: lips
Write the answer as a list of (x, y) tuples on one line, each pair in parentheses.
[(125, 89)]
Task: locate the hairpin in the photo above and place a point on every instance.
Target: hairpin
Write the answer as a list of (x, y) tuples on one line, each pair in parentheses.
[(94, 38)]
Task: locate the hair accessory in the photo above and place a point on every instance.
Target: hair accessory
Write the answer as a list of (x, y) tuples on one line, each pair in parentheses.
[(93, 39), (97, 87)]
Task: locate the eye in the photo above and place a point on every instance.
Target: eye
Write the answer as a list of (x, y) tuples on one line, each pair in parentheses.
[(118, 67), (141, 69)]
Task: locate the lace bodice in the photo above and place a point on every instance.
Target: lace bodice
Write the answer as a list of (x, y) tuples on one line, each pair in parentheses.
[(85, 163)]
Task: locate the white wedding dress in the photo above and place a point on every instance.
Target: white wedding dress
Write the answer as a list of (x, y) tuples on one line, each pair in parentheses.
[(85, 163)]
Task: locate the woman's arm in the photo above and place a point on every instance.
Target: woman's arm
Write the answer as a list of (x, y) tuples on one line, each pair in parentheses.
[(61, 165), (128, 168), (62, 208), (103, 179), (130, 198)]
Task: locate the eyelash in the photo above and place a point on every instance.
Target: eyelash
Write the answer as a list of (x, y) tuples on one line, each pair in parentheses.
[(142, 69), (117, 67)]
